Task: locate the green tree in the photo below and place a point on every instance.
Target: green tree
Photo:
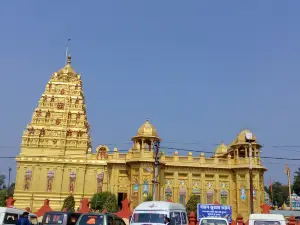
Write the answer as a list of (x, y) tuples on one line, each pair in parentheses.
[(149, 198), (191, 205), (296, 184), (104, 200), (69, 204), (280, 193), (3, 198)]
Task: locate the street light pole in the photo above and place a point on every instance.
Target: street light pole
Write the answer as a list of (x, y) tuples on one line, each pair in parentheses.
[(249, 139), (288, 173), (8, 185), (156, 166)]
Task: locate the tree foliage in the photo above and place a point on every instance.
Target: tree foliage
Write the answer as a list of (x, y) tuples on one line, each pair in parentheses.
[(3, 197), (296, 184), (191, 205), (149, 198), (69, 204), (279, 194), (104, 200)]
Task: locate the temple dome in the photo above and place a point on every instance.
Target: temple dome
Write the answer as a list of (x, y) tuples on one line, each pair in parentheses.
[(147, 130), (241, 137), (221, 149), (67, 69)]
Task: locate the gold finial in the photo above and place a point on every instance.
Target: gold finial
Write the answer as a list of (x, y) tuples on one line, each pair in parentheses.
[(67, 52), (69, 60)]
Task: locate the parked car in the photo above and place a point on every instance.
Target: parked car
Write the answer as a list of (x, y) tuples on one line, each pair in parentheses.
[(60, 218), (99, 219), (10, 216)]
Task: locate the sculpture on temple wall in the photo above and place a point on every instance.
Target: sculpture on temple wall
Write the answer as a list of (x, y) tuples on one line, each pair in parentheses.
[(72, 182), (145, 188), (182, 192), (224, 193), (50, 178), (243, 193), (168, 191), (254, 193), (60, 105), (209, 193), (38, 113), (27, 180), (100, 177), (30, 130), (48, 114), (102, 152), (135, 186)]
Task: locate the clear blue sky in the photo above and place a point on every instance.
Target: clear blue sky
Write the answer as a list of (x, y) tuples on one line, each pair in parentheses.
[(201, 71)]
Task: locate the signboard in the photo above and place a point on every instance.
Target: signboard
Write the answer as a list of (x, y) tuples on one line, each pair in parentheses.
[(210, 210)]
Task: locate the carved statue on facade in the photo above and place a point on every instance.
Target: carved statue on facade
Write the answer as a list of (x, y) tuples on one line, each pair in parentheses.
[(69, 133), (72, 182), (42, 132), (30, 130), (48, 114), (50, 179), (52, 99), (100, 178), (243, 193), (27, 177)]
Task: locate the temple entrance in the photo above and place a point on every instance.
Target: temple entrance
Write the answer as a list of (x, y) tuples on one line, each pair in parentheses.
[(121, 197)]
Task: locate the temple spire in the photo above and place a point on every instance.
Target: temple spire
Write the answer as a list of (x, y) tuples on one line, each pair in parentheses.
[(68, 57)]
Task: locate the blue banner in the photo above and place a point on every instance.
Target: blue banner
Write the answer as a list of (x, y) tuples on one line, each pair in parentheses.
[(210, 210)]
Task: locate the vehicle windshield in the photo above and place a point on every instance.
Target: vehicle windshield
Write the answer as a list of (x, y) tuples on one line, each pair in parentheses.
[(148, 218), (54, 218), (91, 219), (261, 222), (213, 222)]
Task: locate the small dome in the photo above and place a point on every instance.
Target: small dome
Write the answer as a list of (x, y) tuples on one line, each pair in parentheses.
[(241, 137), (67, 69), (147, 130), (221, 149)]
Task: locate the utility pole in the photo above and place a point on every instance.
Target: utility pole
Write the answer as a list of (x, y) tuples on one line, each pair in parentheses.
[(156, 166), (249, 139), (288, 173), (8, 185)]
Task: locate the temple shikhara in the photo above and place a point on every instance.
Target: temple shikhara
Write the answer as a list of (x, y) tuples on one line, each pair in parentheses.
[(56, 160)]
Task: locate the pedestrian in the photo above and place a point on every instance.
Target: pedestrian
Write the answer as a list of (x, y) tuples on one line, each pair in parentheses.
[(23, 220), (167, 221)]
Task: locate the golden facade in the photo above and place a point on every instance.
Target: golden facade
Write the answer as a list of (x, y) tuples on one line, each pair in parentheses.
[(56, 160)]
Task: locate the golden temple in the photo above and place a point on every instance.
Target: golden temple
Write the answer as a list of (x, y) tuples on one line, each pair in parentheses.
[(56, 160)]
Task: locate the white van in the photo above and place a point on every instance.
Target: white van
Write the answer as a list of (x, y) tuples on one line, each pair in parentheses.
[(213, 221), (155, 212), (266, 219), (10, 216)]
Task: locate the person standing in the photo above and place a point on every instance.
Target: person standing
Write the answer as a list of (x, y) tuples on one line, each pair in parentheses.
[(23, 220), (167, 221)]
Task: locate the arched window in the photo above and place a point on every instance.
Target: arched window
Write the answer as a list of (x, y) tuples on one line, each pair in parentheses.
[(209, 197), (224, 195)]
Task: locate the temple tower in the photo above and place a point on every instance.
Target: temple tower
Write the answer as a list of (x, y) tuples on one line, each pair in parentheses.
[(59, 124)]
